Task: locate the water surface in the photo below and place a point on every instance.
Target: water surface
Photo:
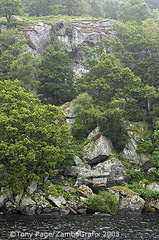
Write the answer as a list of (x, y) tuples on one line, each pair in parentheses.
[(101, 227)]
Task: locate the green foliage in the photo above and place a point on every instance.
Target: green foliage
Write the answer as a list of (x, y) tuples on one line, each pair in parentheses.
[(86, 116), (113, 125), (111, 8), (41, 7), (74, 7), (56, 77), (143, 191), (117, 95), (25, 68), (145, 147), (32, 137), (103, 202), (96, 9), (8, 37), (155, 154), (11, 44), (135, 176), (136, 10), (136, 46), (8, 8)]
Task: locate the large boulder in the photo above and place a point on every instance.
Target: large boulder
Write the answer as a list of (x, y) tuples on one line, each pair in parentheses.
[(32, 188), (27, 206), (85, 191), (57, 201), (5, 194), (155, 204), (3, 199), (112, 170), (131, 154), (132, 204), (98, 150), (136, 134), (153, 187), (105, 174)]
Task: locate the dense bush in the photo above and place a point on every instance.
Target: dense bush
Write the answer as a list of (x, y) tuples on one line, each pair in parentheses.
[(103, 202)]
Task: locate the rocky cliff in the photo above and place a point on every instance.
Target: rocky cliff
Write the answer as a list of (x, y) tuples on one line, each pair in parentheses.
[(72, 34)]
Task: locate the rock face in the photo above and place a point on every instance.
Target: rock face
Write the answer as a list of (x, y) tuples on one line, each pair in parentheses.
[(98, 169), (72, 34), (153, 187), (132, 204), (130, 150), (98, 150), (32, 188), (38, 36), (84, 31)]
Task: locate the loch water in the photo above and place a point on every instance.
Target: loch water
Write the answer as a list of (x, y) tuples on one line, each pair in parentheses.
[(125, 227)]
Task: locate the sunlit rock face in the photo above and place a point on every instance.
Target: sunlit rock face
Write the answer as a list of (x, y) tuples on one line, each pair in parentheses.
[(72, 34), (38, 36)]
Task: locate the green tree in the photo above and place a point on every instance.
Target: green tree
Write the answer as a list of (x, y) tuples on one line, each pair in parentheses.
[(41, 7), (56, 77), (9, 37), (74, 7), (107, 79), (96, 9), (111, 8), (137, 48), (34, 139), (8, 8), (134, 10), (113, 125), (11, 44), (25, 68), (86, 115)]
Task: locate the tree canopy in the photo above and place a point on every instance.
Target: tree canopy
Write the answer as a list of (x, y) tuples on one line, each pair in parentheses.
[(34, 138), (8, 8)]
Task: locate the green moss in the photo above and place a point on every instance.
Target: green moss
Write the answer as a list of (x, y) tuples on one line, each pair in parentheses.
[(143, 192)]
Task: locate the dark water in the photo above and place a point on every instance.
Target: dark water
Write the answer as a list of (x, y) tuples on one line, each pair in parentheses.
[(79, 227)]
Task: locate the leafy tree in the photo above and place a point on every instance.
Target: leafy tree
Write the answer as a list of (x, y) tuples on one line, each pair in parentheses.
[(25, 68), (7, 58), (8, 8), (11, 44), (34, 138), (96, 9), (86, 115), (107, 79), (134, 10), (74, 7), (137, 47), (41, 7), (56, 77), (111, 8), (9, 37), (113, 125)]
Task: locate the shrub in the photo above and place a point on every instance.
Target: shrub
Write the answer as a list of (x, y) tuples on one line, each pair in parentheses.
[(103, 202)]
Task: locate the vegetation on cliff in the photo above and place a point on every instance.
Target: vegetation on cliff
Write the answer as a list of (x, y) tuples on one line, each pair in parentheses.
[(120, 87)]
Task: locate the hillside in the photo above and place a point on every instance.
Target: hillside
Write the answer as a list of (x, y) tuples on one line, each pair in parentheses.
[(79, 115)]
